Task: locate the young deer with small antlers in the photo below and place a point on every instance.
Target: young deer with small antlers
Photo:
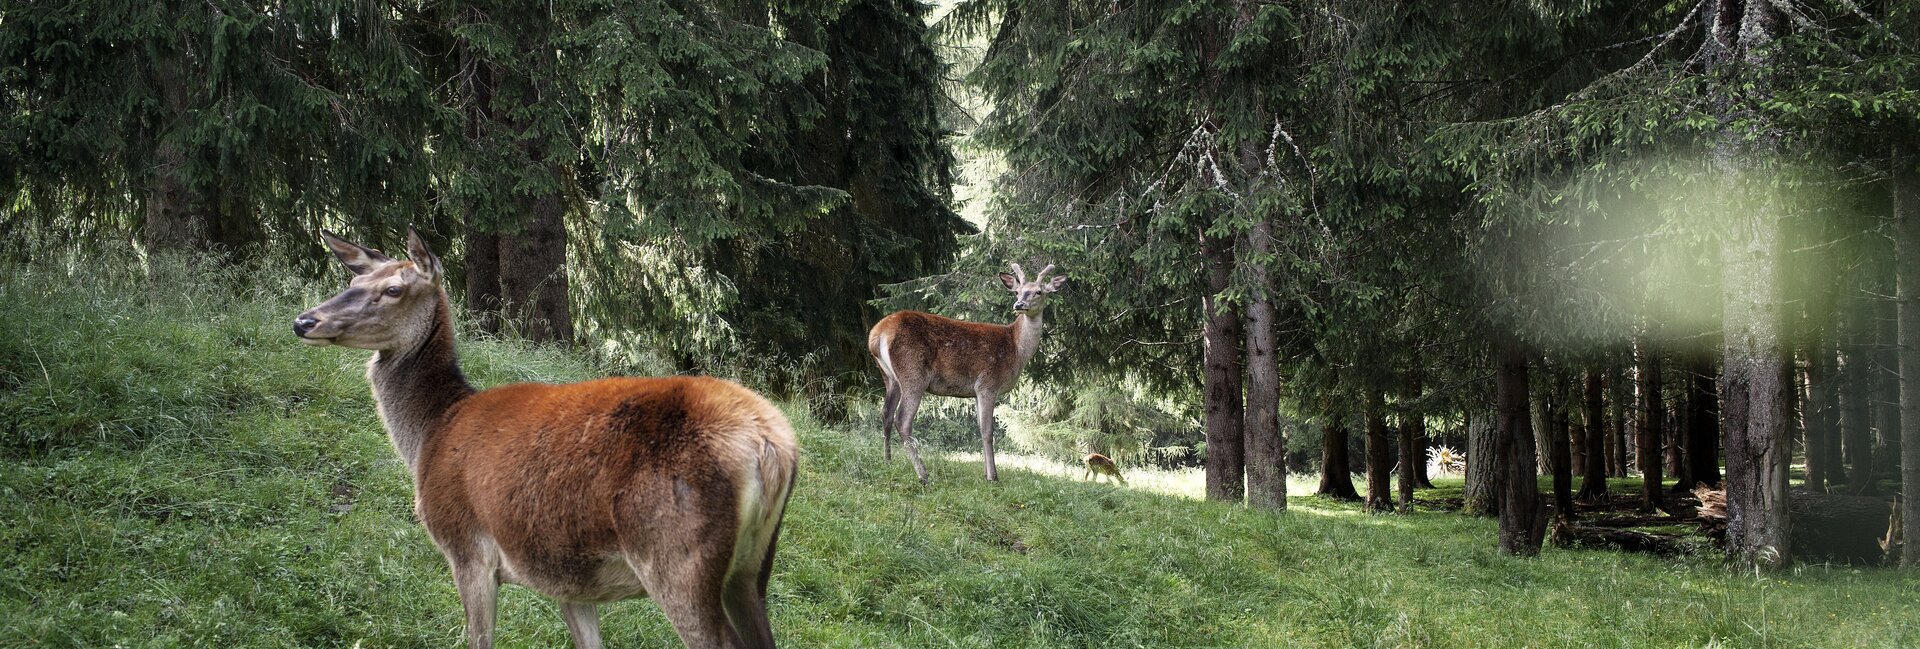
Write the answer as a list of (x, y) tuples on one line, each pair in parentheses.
[(670, 488), (921, 353)]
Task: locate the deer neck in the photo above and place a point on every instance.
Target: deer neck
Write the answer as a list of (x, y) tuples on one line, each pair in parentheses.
[(1026, 334), (414, 387)]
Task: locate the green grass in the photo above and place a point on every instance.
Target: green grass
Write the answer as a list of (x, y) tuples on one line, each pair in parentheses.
[(170, 459)]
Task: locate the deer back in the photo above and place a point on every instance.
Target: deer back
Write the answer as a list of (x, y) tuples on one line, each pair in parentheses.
[(950, 357), (557, 476)]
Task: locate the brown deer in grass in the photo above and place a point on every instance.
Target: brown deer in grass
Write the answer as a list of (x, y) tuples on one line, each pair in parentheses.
[(1099, 465), (670, 488), (921, 353)]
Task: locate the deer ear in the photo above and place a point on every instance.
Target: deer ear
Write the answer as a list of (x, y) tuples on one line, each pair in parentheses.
[(1012, 284), (358, 258), (423, 258), (1056, 283)]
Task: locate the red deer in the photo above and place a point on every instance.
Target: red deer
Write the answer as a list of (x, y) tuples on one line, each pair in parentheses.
[(1099, 465), (921, 353), (670, 488)]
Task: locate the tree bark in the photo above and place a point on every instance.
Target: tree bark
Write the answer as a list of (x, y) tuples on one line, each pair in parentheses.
[(1617, 434), (1266, 451), (1822, 419), (1856, 407), (533, 272), (1561, 450), (1647, 428), (1482, 492), (483, 278), (1522, 527), (1379, 454), (1408, 455), (1906, 214), (1336, 469), (1224, 418), (1702, 427), (1593, 481), (176, 216)]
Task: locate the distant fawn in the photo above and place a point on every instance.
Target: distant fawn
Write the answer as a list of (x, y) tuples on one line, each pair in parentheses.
[(921, 353), (1099, 465), (670, 488)]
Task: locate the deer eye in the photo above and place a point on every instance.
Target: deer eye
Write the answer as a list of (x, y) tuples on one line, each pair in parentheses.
[(394, 291)]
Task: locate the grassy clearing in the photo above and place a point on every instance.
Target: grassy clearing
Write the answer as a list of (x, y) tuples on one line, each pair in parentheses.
[(176, 472)]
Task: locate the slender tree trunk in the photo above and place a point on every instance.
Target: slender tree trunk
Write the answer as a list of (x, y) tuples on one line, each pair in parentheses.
[(1822, 420), (1906, 214), (1522, 527), (1702, 426), (1379, 454), (1560, 450), (1336, 469), (1408, 456), (1856, 407), (1647, 429), (1266, 451), (1224, 418), (1886, 382), (1421, 442), (1593, 482), (1484, 470), (1617, 436)]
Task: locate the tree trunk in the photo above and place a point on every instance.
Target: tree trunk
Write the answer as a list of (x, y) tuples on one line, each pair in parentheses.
[(1593, 481), (1421, 442), (1856, 407), (1482, 492), (1224, 419), (1647, 428), (1906, 214), (1336, 469), (1408, 455), (1561, 450), (1886, 382), (1379, 454), (1522, 527), (1266, 451), (176, 206), (1822, 420), (483, 278), (1702, 428), (1617, 434), (533, 272)]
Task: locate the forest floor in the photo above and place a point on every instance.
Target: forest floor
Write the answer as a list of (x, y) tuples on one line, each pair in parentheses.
[(177, 471)]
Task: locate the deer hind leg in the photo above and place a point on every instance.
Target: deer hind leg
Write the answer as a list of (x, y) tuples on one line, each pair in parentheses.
[(890, 416), (479, 587), (983, 407), (689, 590), (583, 623), (908, 409)]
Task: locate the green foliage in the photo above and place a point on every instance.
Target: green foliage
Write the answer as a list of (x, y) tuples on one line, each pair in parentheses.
[(218, 516)]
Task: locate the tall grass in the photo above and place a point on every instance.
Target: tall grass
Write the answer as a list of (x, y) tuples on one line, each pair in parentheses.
[(176, 471)]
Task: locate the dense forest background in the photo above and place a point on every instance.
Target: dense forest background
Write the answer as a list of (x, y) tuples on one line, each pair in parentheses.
[(1673, 240)]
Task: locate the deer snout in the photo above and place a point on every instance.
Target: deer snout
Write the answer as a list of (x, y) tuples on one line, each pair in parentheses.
[(304, 325), (1020, 305)]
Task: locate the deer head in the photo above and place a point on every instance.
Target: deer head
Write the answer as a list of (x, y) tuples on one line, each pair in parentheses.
[(1031, 296), (389, 304)]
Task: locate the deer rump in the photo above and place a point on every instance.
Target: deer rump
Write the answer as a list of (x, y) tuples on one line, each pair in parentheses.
[(589, 502)]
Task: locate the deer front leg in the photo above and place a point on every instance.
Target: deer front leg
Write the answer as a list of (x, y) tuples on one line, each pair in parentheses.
[(583, 623), (983, 406), (479, 588)]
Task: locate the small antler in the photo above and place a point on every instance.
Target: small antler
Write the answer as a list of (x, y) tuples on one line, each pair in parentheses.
[(1020, 274), (1042, 277)]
